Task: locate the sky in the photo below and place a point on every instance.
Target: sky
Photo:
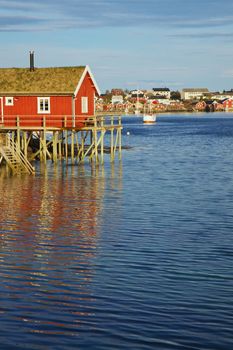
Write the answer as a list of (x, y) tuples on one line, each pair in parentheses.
[(128, 44)]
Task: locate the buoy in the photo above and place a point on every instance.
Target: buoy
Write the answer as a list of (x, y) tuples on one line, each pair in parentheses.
[(128, 133)]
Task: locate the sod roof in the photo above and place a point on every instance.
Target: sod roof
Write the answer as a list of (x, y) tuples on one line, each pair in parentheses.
[(42, 80)]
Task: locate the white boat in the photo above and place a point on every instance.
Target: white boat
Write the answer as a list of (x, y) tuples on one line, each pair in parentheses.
[(149, 118)]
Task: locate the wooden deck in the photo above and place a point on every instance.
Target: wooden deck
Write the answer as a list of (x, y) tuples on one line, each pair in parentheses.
[(64, 137)]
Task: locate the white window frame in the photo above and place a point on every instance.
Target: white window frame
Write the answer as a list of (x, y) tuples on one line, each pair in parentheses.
[(9, 101), (39, 99), (84, 104)]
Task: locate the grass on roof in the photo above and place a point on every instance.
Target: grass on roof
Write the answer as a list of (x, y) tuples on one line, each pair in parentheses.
[(55, 79)]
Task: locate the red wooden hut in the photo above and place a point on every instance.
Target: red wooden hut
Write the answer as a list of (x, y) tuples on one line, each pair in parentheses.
[(61, 96)]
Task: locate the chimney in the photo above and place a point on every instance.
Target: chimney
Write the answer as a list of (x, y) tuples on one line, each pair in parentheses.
[(32, 68)]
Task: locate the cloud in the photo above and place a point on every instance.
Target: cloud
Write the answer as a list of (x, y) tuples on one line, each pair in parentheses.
[(206, 22), (60, 14), (227, 73), (149, 83), (159, 83), (19, 20), (202, 35)]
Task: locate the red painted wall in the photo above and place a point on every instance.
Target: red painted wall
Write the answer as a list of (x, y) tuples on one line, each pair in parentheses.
[(86, 90), (228, 103), (27, 105), (1, 102)]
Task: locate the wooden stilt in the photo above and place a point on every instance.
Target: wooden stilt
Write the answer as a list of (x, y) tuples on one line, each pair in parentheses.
[(41, 146), (66, 145), (72, 147), (59, 141), (18, 135), (77, 144), (55, 147), (62, 144), (44, 140), (25, 145), (82, 145)]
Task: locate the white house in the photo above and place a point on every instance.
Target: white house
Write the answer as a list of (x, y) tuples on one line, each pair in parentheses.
[(222, 95), (165, 92), (193, 94), (117, 99)]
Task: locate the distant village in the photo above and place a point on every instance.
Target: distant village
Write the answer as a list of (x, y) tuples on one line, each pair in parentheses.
[(160, 100)]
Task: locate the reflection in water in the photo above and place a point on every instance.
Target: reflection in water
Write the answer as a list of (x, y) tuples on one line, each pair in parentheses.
[(49, 232), (91, 258)]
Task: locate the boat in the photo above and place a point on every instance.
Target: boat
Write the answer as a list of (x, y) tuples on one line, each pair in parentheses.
[(149, 118)]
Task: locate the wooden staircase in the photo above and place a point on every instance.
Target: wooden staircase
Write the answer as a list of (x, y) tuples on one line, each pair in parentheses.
[(13, 157)]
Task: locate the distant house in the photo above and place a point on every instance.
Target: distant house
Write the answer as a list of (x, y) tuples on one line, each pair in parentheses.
[(193, 94), (116, 92), (117, 99), (165, 92), (137, 96), (135, 93), (163, 100), (222, 95), (51, 92), (228, 104)]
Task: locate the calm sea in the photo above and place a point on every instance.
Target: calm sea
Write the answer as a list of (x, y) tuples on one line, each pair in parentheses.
[(136, 255)]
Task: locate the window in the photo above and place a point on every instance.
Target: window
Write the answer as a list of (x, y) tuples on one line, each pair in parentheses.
[(84, 104), (43, 105), (9, 101)]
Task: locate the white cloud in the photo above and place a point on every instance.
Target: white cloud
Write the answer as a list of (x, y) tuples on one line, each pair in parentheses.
[(59, 14)]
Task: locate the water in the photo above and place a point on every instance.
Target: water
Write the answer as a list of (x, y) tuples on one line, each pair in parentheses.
[(136, 255)]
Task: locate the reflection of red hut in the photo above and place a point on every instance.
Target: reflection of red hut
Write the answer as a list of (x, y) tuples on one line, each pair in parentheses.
[(45, 239), (48, 213)]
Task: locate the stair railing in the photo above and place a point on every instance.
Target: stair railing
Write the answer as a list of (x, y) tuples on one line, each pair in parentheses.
[(20, 155)]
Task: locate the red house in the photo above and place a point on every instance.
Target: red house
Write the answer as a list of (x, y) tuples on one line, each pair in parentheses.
[(228, 104), (59, 96)]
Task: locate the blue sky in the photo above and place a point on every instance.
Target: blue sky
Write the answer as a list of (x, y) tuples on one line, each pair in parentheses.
[(127, 43)]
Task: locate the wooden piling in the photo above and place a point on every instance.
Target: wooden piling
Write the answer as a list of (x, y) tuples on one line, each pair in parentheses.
[(74, 143)]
